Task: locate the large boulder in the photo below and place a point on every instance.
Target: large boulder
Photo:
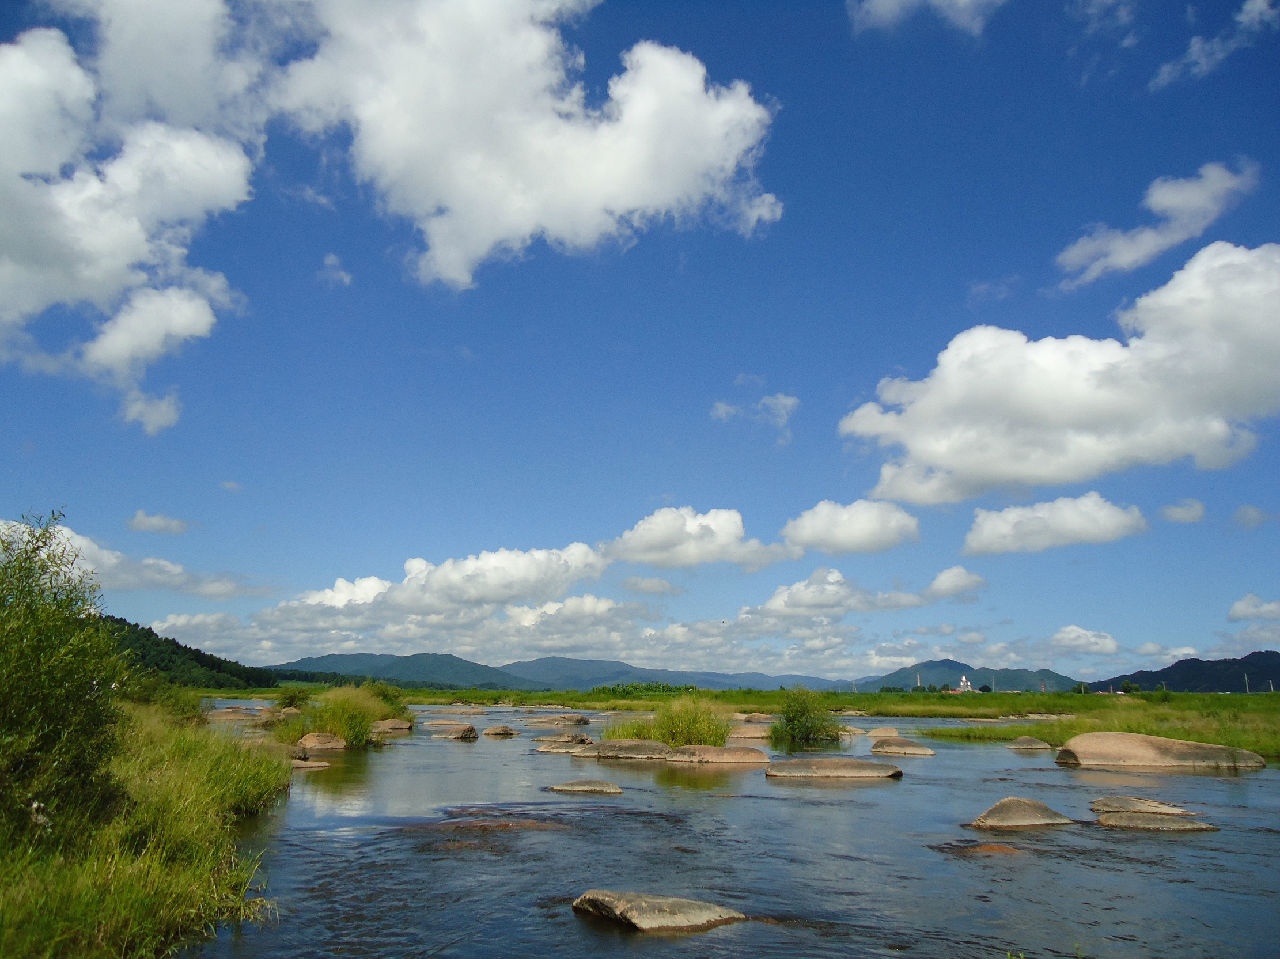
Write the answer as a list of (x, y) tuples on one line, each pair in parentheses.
[(898, 746), (718, 754), (392, 726), (1153, 752), (464, 732), (832, 767), (1014, 812), (500, 732), (626, 749), (593, 786), (648, 912), (314, 742)]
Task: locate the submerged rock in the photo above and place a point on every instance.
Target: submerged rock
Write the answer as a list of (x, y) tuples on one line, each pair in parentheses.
[(718, 754), (1134, 804), (832, 767), (1153, 752), (310, 764), (1014, 812), (1028, 743), (500, 732), (1153, 822), (626, 749), (596, 786), (313, 742), (898, 746), (648, 912)]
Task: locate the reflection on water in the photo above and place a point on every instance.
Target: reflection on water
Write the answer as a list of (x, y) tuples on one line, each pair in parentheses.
[(434, 847)]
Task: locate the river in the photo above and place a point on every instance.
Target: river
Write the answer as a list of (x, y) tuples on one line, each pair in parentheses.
[(432, 847)]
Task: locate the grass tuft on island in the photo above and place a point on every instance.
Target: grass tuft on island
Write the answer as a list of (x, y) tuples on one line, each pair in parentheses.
[(684, 721), (163, 867)]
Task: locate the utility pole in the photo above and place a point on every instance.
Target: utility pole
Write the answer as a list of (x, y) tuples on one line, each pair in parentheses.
[(1246, 683)]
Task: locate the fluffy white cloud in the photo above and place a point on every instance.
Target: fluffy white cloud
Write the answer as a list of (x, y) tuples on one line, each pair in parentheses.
[(156, 523), (1030, 529), (1084, 640), (1203, 56), (504, 148), (1185, 207), (1187, 511), (1164, 655), (674, 537), (1000, 409), (1251, 606), (864, 526), (969, 15), (827, 595)]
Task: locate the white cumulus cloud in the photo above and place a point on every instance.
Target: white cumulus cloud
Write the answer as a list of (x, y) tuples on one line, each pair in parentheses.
[(1251, 606), (1030, 529), (864, 526), (504, 148), (156, 523), (1082, 640), (1186, 208), (999, 409), (674, 537), (969, 15)]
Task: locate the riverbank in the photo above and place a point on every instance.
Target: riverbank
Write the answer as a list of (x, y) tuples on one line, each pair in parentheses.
[(163, 868), (1246, 721)]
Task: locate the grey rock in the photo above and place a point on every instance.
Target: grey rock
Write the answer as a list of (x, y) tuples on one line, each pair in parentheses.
[(1153, 822), (832, 767), (1028, 743), (1015, 812), (1134, 804), (648, 912), (313, 742), (500, 732), (626, 749), (898, 746), (464, 732), (1153, 752), (718, 754), (595, 786)]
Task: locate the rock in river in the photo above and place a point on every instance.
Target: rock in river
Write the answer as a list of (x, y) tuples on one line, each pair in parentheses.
[(626, 749), (898, 746), (648, 912), (391, 726), (832, 767), (313, 742), (1153, 752), (462, 731), (1028, 743), (1134, 804), (1014, 812), (749, 731), (500, 732), (882, 732), (596, 786), (1153, 822), (718, 754)]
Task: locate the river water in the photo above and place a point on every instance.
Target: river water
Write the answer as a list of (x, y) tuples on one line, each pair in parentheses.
[(432, 847)]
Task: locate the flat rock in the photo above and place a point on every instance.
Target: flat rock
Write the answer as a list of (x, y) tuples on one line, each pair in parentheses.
[(626, 749), (309, 764), (749, 731), (312, 742), (832, 767), (580, 739), (648, 912), (391, 726), (1153, 822), (882, 732), (718, 754), (442, 722), (1028, 743), (464, 732), (596, 786), (500, 732), (1153, 752), (898, 746), (852, 731), (1134, 804), (564, 719), (570, 748), (1014, 812), (759, 718)]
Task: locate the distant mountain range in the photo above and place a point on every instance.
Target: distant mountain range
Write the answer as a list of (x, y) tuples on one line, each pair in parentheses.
[(445, 671)]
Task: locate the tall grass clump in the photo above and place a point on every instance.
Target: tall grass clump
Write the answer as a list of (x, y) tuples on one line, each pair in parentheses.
[(803, 721), (686, 721), (163, 868), (347, 712)]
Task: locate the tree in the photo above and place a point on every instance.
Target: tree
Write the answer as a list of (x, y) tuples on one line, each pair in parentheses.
[(803, 721), (58, 676)]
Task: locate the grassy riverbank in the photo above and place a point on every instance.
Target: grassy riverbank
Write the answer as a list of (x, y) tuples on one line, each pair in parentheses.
[(162, 868)]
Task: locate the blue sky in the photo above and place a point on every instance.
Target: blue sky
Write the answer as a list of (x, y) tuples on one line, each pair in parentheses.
[(805, 338)]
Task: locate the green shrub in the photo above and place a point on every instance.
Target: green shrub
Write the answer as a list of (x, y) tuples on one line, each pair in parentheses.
[(803, 721), (393, 696), (294, 697), (682, 722), (58, 678)]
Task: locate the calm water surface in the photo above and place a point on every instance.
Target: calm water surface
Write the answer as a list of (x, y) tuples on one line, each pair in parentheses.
[(440, 848)]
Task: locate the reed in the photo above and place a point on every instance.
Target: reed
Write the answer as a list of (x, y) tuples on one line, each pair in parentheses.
[(684, 721)]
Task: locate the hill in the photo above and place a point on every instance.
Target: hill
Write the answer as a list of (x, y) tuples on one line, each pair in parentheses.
[(150, 652), (1206, 676), (427, 670), (559, 672), (940, 672)]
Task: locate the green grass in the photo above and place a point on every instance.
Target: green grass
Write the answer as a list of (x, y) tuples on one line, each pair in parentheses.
[(804, 720), (164, 868), (686, 721), (348, 712)]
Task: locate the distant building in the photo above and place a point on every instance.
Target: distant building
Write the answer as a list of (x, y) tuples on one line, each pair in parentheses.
[(965, 686)]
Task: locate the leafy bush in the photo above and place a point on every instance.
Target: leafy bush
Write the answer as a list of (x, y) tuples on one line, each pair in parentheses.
[(803, 721), (393, 696), (682, 722), (294, 697), (58, 677)]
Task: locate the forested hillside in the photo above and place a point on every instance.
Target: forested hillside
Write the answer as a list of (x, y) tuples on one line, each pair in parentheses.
[(145, 650)]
